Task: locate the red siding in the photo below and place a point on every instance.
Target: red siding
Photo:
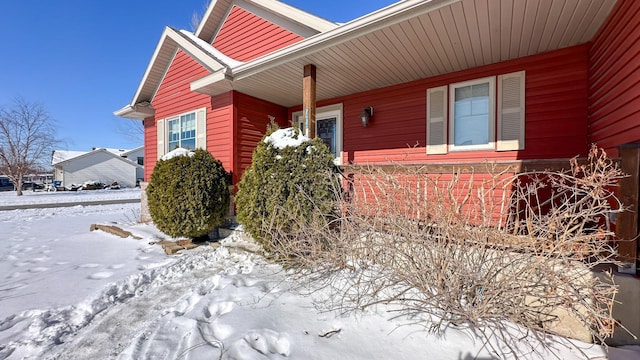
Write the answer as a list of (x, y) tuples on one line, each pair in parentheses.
[(556, 113), (220, 129), (174, 94), (150, 148), (245, 36), (614, 79), (252, 120), (174, 97)]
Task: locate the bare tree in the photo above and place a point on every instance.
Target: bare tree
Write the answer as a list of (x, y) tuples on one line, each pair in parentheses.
[(132, 130), (196, 16), (27, 137)]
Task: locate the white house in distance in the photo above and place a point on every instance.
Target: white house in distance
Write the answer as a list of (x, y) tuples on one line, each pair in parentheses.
[(104, 165)]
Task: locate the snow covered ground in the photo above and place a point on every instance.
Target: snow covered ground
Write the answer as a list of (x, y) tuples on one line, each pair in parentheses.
[(58, 197), (68, 293)]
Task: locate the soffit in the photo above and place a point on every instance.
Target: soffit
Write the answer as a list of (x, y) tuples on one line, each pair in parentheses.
[(458, 36)]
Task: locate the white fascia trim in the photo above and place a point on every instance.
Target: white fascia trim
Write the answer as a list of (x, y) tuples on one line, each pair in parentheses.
[(135, 112), (179, 40), (205, 17), (382, 18), (296, 15), (150, 65), (216, 77), (217, 55), (201, 55)]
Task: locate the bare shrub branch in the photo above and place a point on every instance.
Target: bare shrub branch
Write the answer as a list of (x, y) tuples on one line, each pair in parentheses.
[(506, 255)]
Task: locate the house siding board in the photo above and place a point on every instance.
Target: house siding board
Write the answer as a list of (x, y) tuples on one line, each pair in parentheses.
[(219, 134), (555, 118), (252, 121), (99, 166), (174, 97), (151, 151), (245, 36), (614, 77)]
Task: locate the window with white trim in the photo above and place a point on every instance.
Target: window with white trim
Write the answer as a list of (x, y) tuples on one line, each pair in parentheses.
[(464, 116), (472, 106), (182, 131), (186, 130), (328, 127)]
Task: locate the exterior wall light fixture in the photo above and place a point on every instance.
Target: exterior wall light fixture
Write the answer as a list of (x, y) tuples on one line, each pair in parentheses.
[(366, 115)]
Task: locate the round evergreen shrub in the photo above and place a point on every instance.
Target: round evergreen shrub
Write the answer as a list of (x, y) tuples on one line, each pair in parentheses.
[(188, 193), (291, 180)]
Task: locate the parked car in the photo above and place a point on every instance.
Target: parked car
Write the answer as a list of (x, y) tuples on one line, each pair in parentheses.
[(6, 184), (32, 185)]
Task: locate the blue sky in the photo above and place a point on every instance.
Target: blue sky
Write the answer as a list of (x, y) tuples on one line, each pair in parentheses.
[(83, 59)]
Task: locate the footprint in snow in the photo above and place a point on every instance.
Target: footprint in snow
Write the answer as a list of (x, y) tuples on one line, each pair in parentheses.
[(216, 309), (244, 282), (267, 341), (214, 332), (13, 287), (155, 265), (116, 266), (209, 285), (100, 275), (13, 275), (87, 266), (38, 269)]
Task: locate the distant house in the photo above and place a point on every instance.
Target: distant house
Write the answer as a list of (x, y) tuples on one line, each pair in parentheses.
[(104, 165)]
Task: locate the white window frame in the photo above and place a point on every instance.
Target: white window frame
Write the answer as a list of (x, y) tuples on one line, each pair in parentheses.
[(178, 119), (162, 126), (491, 145), (331, 111)]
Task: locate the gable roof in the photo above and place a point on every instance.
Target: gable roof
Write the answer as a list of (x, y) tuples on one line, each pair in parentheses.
[(293, 19), (170, 41), (125, 153), (406, 41), (63, 156), (197, 45)]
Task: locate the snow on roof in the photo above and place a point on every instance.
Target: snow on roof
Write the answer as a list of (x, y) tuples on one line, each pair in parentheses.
[(64, 155), (177, 152), (283, 138), (211, 50)]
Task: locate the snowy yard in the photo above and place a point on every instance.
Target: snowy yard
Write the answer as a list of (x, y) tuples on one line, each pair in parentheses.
[(68, 293)]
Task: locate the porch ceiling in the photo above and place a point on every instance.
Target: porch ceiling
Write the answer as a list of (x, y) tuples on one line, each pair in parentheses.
[(457, 36)]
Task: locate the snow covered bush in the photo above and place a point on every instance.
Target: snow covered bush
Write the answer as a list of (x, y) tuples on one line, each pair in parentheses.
[(291, 182), (188, 193)]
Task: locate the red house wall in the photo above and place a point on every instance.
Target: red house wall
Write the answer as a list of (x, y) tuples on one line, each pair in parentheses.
[(556, 113), (252, 118), (150, 146), (220, 129), (174, 97), (555, 118), (614, 79), (245, 36)]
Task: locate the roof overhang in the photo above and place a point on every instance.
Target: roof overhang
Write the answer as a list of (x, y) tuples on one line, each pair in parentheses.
[(169, 43), (136, 112), (412, 40), (293, 19)]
